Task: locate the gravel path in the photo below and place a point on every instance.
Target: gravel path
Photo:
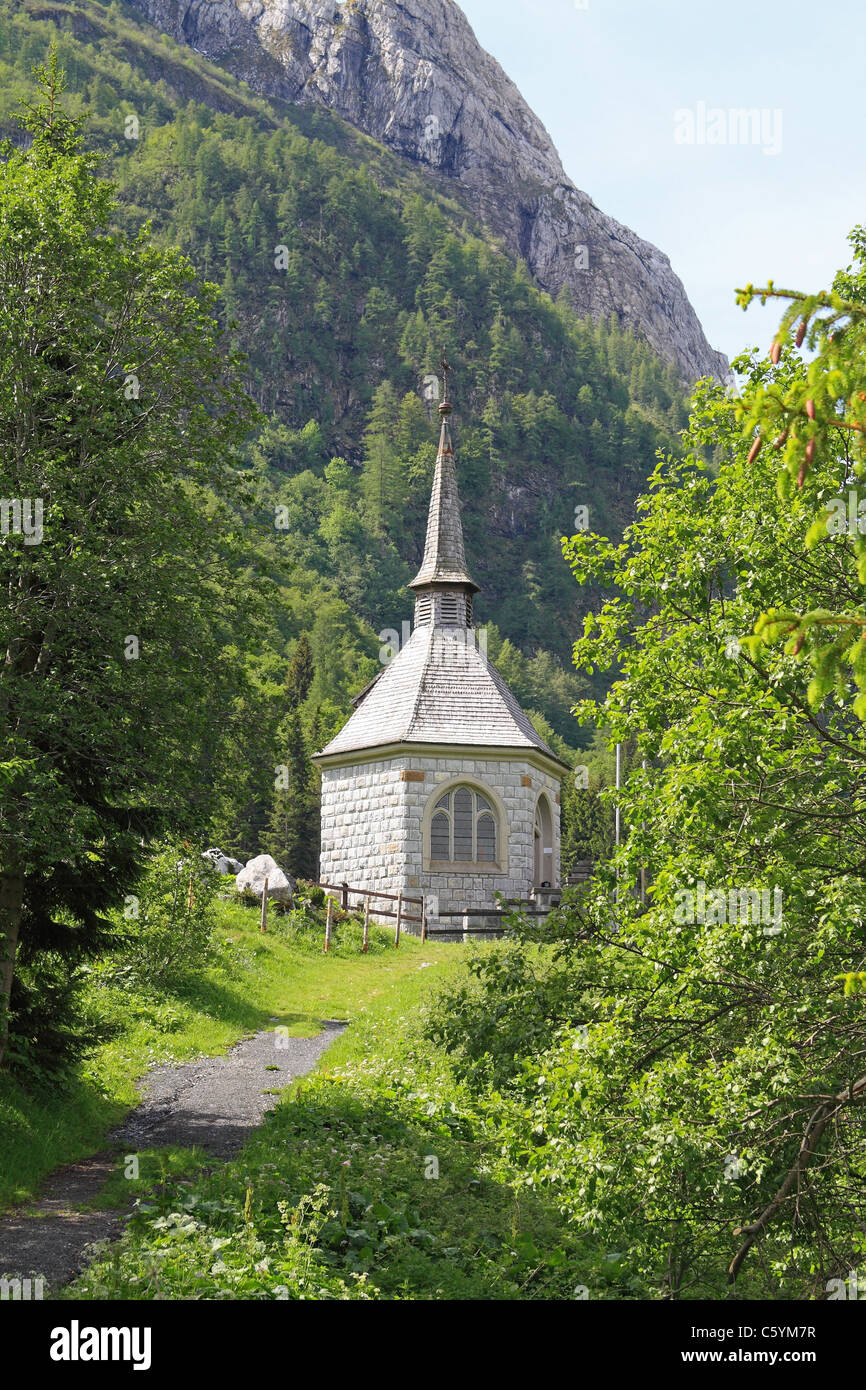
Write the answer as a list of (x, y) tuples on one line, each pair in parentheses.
[(213, 1104)]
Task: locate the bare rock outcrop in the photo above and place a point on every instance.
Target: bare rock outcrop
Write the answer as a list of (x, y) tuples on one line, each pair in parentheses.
[(411, 74)]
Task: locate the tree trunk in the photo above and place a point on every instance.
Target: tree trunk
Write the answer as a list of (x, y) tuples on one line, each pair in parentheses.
[(11, 901)]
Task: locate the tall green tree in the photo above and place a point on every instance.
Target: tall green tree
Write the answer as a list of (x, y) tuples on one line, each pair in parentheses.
[(816, 428), (292, 838), (708, 1119), (692, 1090), (299, 676), (119, 412), (382, 472)]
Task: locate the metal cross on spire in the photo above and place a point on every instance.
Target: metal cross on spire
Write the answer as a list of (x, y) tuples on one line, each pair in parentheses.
[(445, 370)]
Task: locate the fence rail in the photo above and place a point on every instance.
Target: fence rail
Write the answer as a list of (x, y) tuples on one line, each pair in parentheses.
[(346, 890), (494, 912), (465, 914)]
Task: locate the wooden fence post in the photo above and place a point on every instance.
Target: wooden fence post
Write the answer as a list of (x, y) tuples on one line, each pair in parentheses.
[(366, 922), (399, 919), (264, 926), (344, 896), (423, 920), (466, 926), (328, 924)]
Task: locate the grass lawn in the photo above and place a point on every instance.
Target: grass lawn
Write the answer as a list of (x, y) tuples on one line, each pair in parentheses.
[(255, 981)]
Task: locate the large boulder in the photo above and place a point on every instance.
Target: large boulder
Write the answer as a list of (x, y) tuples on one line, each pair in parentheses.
[(223, 863), (251, 879)]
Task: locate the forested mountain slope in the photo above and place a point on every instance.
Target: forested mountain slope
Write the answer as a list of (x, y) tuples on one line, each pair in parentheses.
[(346, 276), (414, 76)]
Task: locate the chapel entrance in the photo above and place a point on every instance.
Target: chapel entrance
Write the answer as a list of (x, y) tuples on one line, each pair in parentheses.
[(543, 845)]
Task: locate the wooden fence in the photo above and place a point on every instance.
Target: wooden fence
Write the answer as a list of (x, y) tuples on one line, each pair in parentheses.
[(345, 891), (465, 914), (367, 893)]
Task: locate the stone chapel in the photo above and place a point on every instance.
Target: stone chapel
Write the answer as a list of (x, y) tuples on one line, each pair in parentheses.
[(438, 784)]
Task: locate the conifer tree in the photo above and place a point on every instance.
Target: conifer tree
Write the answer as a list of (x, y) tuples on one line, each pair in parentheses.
[(117, 416), (299, 676), (291, 841)]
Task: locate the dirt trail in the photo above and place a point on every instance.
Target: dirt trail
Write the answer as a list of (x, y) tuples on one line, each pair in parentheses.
[(214, 1104)]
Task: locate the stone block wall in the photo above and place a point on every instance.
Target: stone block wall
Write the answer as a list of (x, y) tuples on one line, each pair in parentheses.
[(363, 814), (372, 815), (507, 778)]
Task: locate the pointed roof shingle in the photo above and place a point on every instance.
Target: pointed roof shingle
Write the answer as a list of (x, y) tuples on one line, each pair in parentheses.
[(438, 689), (444, 560)]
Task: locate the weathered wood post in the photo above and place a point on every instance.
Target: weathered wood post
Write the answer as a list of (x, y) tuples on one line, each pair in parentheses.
[(264, 925), (399, 919), (328, 924), (466, 926), (366, 922), (344, 896), (423, 920)]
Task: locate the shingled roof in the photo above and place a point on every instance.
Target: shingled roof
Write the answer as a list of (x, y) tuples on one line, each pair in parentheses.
[(439, 689), (444, 559)]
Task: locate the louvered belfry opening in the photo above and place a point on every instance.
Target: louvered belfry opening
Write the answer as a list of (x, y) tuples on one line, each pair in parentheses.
[(443, 608), (423, 610)]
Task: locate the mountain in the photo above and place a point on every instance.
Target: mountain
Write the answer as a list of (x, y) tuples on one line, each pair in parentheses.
[(345, 270), (413, 76)]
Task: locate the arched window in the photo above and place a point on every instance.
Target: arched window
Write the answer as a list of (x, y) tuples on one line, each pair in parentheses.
[(463, 828)]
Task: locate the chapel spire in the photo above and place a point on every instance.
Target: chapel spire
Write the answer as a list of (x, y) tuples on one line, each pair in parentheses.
[(443, 585)]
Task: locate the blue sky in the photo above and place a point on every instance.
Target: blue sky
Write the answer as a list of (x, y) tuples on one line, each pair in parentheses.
[(607, 79)]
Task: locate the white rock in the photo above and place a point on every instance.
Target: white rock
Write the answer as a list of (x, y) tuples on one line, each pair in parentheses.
[(223, 863), (251, 879)]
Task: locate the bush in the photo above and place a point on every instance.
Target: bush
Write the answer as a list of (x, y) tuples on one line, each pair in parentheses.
[(171, 918), (507, 1005), (310, 893)]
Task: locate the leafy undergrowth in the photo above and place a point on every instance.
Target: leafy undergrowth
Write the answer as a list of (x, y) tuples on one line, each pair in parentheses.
[(252, 981), (373, 1179), (146, 1175)]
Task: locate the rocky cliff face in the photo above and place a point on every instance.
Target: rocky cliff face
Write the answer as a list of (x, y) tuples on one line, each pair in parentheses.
[(413, 76)]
